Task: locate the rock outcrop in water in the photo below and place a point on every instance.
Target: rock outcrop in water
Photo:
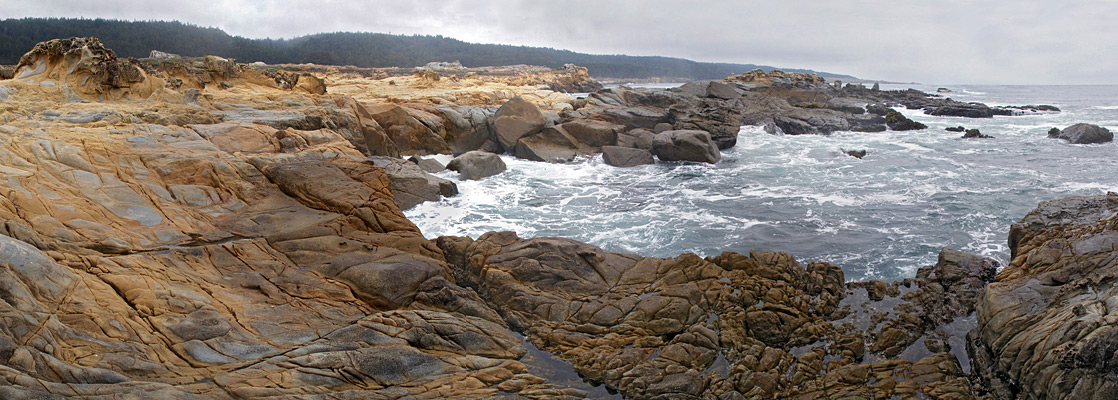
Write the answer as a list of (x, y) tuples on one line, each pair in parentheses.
[(234, 233), (1082, 134), (1048, 328)]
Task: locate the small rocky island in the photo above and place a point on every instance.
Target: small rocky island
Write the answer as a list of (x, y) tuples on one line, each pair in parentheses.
[(198, 228)]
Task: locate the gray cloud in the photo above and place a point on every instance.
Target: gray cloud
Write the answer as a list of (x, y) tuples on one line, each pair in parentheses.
[(947, 41)]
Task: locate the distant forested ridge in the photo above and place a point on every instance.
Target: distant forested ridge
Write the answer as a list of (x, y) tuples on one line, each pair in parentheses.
[(369, 50)]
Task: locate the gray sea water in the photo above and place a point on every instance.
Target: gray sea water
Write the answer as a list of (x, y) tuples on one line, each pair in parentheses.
[(880, 217)]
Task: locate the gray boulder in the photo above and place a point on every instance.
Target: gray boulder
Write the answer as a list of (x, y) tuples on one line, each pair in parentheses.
[(427, 164), (553, 145), (722, 91), (515, 119), (1083, 134), (477, 164), (685, 145), (410, 184), (625, 156), (594, 133), (467, 127), (637, 139)]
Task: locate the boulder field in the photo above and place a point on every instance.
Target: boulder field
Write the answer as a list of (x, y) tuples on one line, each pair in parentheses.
[(205, 229)]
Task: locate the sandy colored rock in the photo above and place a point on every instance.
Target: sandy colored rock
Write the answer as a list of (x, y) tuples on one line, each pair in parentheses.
[(226, 234)]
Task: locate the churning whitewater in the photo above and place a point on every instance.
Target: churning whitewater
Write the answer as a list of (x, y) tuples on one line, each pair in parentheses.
[(880, 217)]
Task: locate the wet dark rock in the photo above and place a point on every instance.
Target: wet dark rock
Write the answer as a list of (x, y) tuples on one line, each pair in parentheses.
[(955, 129), (792, 126), (975, 134), (856, 153), (684, 108), (1083, 134), (898, 122), (968, 111), (1031, 109), (870, 128), (878, 109)]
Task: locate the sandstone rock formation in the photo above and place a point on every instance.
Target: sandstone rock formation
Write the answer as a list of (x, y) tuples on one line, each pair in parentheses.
[(224, 241), (411, 185), (198, 228)]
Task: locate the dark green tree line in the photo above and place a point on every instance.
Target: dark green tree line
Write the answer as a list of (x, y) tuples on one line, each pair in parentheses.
[(368, 50)]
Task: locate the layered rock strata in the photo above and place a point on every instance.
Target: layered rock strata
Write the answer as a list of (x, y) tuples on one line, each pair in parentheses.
[(231, 236), (1047, 328)]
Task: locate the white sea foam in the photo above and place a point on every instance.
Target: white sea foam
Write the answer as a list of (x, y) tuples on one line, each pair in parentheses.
[(879, 217), (1082, 187)]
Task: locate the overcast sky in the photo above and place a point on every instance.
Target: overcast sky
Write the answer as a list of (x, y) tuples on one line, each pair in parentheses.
[(940, 41)]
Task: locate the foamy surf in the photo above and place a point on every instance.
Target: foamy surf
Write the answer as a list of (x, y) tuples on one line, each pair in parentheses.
[(883, 216)]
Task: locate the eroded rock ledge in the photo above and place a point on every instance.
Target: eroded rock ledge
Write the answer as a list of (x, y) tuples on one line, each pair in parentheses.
[(245, 240)]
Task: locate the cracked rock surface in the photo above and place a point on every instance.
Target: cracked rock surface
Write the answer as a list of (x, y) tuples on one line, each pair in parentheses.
[(207, 230)]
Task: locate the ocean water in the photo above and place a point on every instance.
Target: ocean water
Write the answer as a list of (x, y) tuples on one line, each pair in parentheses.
[(880, 217)]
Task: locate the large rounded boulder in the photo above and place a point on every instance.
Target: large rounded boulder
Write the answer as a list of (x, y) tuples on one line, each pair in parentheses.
[(477, 164), (685, 145), (594, 133), (515, 119), (1083, 134)]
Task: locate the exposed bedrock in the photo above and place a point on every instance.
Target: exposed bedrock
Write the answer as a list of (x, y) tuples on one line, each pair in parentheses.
[(233, 236), (734, 326), (1047, 327)]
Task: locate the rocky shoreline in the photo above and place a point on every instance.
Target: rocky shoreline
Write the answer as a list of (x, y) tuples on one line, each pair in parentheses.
[(204, 229)]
